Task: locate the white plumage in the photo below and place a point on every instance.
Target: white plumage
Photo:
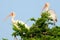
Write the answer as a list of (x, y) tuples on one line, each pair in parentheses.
[(14, 22), (53, 15), (22, 23)]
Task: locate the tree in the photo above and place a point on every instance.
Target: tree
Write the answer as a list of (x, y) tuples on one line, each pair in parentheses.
[(39, 30)]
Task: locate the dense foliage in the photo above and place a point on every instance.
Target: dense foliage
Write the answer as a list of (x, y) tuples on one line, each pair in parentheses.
[(39, 30)]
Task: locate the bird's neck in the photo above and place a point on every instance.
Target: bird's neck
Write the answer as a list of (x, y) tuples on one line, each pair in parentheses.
[(46, 9), (12, 20)]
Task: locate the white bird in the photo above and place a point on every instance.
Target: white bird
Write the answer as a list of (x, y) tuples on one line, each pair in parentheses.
[(51, 12), (12, 14), (15, 22)]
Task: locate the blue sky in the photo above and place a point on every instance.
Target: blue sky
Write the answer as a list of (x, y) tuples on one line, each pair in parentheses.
[(24, 10)]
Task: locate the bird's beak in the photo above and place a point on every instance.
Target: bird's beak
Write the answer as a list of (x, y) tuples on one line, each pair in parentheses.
[(6, 17), (44, 7)]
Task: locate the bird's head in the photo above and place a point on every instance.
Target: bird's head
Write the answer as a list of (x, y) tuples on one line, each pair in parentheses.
[(12, 14), (46, 5)]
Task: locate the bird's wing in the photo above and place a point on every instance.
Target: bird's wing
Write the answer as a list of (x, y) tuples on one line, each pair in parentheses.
[(52, 14), (23, 23), (20, 21)]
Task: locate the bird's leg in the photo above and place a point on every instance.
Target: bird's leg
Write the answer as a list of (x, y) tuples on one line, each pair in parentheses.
[(15, 38), (54, 24), (21, 39)]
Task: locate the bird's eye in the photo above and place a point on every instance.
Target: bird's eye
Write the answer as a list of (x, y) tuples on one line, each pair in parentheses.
[(12, 14)]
